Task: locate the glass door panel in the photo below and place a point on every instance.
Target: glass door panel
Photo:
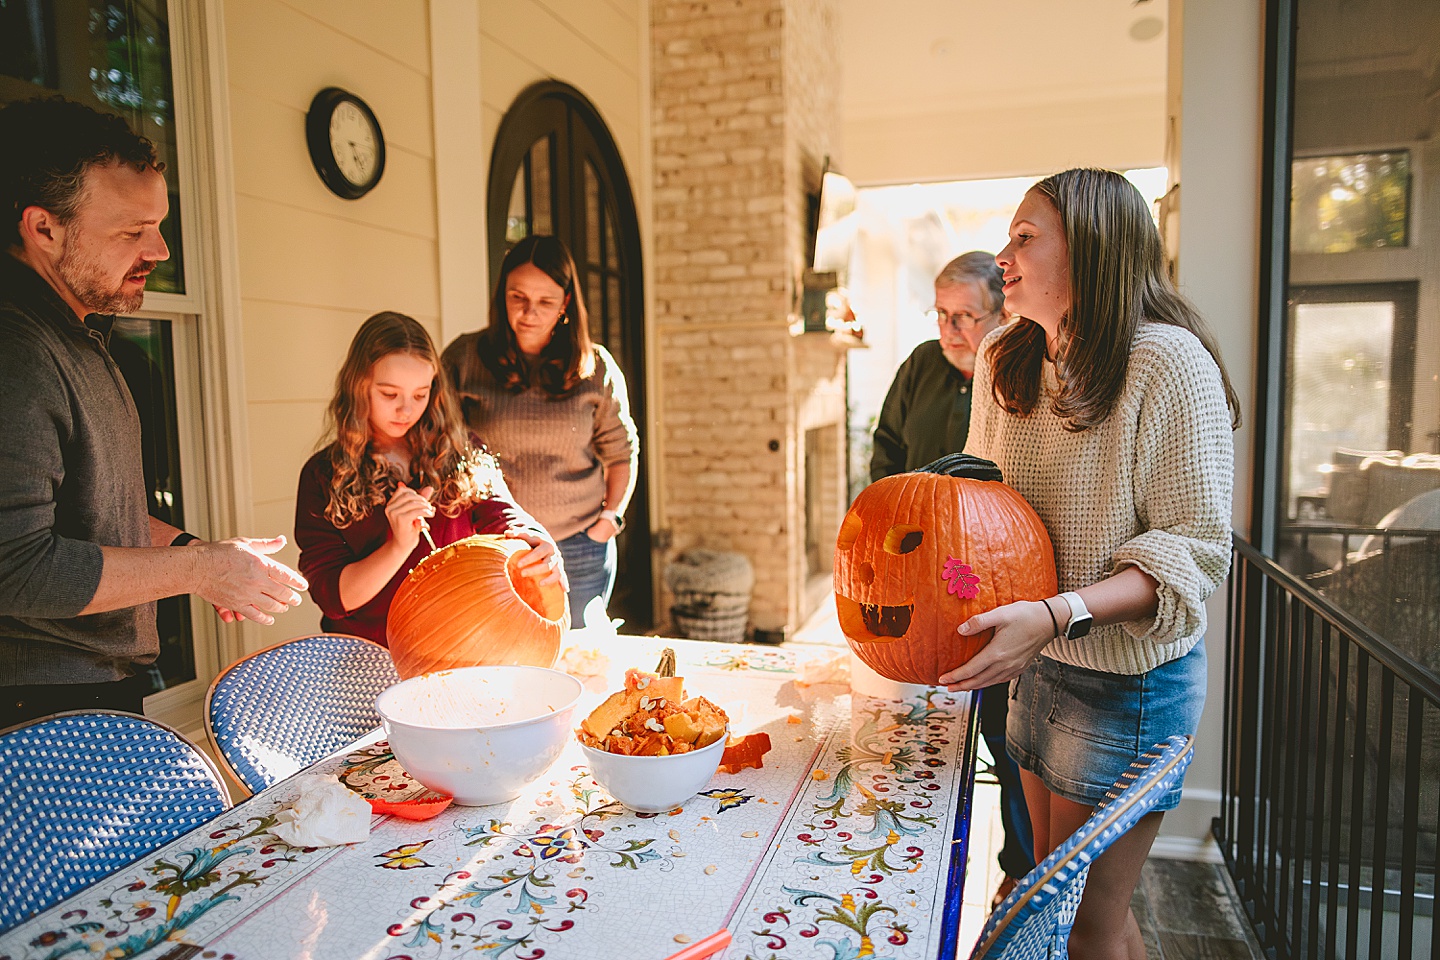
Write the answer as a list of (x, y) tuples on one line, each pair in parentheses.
[(145, 352), (114, 56), (1339, 389)]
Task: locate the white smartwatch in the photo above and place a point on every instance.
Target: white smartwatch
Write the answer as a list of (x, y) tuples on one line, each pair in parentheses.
[(1080, 619), (614, 518)]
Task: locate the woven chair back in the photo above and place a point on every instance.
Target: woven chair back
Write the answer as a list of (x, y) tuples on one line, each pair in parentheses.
[(86, 793), (279, 710), (1035, 920)]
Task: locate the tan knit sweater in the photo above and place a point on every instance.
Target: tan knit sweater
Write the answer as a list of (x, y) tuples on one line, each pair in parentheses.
[(553, 452), (1149, 487)]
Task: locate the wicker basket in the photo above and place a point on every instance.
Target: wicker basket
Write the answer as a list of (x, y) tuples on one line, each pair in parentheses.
[(712, 594), (725, 629), (701, 604)]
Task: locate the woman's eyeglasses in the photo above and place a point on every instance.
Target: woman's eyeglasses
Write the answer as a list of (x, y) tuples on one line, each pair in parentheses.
[(957, 321)]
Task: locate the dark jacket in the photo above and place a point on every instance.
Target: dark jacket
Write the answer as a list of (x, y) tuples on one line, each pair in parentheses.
[(71, 481), (926, 414)]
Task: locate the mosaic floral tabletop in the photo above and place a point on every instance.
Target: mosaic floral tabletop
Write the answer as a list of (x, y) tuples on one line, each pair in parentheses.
[(848, 843)]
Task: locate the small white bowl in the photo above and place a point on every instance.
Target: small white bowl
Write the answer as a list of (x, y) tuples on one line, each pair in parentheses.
[(480, 734), (654, 784)]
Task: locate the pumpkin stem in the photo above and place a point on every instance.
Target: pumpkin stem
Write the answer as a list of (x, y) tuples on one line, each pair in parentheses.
[(964, 466)]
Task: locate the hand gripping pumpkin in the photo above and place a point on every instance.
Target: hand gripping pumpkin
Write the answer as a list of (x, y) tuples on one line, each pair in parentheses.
[(920, 553), (466, 605)]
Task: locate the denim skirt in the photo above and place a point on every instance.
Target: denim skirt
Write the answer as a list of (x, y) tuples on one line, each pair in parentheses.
[(1078, 730)]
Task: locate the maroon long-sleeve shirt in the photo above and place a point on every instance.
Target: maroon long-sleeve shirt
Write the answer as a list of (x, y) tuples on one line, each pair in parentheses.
[(325, 549)]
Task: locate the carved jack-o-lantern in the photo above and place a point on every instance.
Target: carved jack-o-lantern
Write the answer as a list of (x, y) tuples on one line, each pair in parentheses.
[(920, 553), (466, 605)]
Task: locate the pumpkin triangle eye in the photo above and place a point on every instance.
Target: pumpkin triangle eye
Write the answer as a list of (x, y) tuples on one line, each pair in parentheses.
[(903, 538), (850, 529)]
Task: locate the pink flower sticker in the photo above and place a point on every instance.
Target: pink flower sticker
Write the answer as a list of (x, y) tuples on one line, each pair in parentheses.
[(963, 580)]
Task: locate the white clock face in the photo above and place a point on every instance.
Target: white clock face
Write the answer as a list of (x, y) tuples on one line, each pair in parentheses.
[(353, 142)]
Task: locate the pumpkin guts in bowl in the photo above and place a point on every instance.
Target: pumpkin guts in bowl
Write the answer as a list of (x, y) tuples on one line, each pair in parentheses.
[(652, 748), (652, 718)]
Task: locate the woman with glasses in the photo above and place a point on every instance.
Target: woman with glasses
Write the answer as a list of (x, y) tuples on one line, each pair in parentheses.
[(926, 414), (553, 407)]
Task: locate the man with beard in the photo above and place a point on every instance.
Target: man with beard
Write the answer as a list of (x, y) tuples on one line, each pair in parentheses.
[(81, 562)]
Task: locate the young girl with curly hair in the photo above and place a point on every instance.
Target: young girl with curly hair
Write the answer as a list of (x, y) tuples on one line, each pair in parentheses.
[(400, 463)]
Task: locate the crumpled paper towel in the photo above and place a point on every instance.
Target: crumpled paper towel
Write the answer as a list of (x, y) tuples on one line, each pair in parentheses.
[(589, 666), (325, 814), (584, 659), (834, 668)]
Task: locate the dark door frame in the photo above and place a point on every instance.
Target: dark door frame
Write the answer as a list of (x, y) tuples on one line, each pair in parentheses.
[(564, 114)]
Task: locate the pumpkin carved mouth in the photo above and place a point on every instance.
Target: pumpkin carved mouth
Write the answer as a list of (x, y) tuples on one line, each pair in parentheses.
[(873, 622)]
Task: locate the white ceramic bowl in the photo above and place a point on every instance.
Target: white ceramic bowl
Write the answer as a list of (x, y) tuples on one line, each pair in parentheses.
[(480, 734), (654, 784)]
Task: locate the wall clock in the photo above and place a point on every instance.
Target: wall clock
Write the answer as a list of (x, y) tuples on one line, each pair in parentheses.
[(345, 142)]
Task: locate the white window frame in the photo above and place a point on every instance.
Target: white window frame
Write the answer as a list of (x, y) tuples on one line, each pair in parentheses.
[(208, 362)]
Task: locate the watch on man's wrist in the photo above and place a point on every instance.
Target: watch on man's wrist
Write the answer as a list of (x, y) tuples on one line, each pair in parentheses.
[(1080, 619), (614, 518)]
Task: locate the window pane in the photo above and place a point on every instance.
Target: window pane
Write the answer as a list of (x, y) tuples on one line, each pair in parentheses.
[(144, 351), (1356, 202), (517, 224), (595, 306), (541, 188), (612, 256), (1339, 388), (592, 215), (27, 43), (113, 56), (613, 320)]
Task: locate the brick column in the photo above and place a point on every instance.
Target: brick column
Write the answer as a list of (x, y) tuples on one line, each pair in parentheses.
[(745, 96)]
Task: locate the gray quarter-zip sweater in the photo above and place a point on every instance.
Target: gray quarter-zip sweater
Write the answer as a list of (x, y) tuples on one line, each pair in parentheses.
[(71, 480)]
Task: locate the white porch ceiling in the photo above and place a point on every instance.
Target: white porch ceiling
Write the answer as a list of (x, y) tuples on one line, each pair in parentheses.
[(944, 89)]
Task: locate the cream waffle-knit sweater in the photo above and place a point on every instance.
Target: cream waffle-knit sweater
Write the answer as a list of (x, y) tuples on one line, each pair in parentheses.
[(1150, 487)]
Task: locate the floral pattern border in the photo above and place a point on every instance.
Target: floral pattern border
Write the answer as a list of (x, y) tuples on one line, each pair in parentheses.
[(853, 864)]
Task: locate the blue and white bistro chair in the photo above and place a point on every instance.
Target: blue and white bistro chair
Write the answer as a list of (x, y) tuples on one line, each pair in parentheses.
[(1035, 920), (84, 793), (277, 711)]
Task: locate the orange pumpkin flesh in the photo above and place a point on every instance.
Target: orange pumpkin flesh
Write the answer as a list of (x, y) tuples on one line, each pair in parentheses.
[(466, 605), (900, 587)]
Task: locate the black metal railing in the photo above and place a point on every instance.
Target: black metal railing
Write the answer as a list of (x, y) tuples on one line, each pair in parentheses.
[(1331, 773)]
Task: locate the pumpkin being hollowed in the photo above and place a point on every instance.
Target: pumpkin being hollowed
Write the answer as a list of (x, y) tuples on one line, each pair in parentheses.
[(920, 553), (467, 605)]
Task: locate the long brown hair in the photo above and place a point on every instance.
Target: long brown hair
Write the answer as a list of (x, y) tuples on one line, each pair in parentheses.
[(1117, 279), (441, 456), (569, 357)]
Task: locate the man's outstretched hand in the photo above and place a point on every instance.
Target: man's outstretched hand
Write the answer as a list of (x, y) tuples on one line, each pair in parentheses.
[(239, 577)]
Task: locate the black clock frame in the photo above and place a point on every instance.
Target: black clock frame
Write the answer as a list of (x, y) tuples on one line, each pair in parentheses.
[(317, 137)]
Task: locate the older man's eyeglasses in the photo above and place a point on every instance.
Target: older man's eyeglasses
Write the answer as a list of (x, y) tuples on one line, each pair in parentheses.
[(957, 321)]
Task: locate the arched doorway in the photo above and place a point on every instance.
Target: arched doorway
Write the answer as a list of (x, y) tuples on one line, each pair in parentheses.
[(555, 169)]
